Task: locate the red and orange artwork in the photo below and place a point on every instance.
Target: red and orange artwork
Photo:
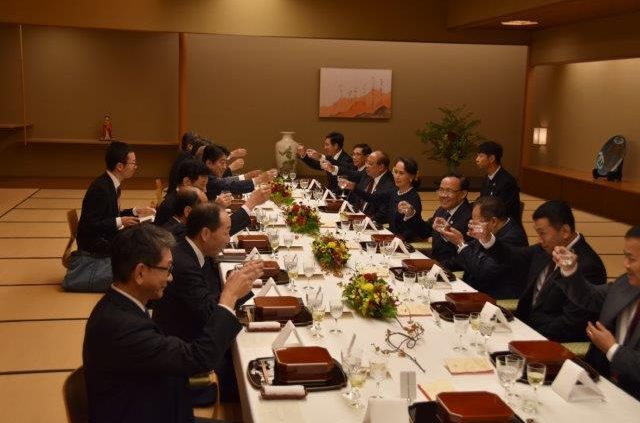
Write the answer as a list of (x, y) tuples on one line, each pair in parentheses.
[(355, 93)]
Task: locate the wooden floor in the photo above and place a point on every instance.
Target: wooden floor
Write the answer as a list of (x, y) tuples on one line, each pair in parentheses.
[(41, 326)]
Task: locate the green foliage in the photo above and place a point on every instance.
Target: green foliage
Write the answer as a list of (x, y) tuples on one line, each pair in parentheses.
[(453, 138)]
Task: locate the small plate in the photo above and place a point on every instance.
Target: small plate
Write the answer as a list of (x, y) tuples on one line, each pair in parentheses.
[(445, 311), (549, 377), (338, 378)]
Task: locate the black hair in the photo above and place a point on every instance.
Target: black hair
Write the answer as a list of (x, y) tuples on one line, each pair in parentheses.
[(205, 215), (557, 212), (411, 167), (336, 138), (384, 159), (212, 153), (192, 169), (137, 244), (188, 138), (464, 182), (117, 152), (366, 150), (185, 197), (223, 148), (633, 232), (195, 145), (491, 207), (491, 148)]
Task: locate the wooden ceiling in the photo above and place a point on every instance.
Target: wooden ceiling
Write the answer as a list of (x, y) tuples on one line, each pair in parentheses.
[(554, 14)]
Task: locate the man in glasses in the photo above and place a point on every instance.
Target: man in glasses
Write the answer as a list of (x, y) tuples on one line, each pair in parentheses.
[(100, 220)]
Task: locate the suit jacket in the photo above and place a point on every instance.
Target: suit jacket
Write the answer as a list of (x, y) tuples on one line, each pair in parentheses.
[(378, 202), (216, 185), (177, 228), (352, 173), (343, 162), (165, 209), (504, 186), (553, 315), (609, 300), (135, 373), (190, 300), (442, 250), (481, 271), (173, 173), (240, 219), (97, 226)]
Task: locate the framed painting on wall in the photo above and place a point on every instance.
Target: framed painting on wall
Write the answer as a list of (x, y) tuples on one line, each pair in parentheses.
[(355, 93)]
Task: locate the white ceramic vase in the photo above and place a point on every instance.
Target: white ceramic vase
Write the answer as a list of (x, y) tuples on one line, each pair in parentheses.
[(286, 152)]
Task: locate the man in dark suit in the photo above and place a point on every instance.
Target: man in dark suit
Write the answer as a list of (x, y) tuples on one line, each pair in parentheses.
[(134, 372), (333, 154), (186, 199), (454, 211), (190, 300), (100, 220), (359, 155), (615, 337), (370, 194), (191, 173), (481, 271), (499, 182), (543, 305)]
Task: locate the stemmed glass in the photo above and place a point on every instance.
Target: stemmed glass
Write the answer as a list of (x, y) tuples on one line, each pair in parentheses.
[(292, 176), (314, 302), (291, 265), (304, 183), (344, 223), (335, 308), (260, 217), (352, 363), (408, 279), (309, 268), (474, 322), (358, 226), (342, 183), (274, 240), (487, 325), (287, 240), (516, 362), (536, 373), (507, 374), (461, 324), (372, 248), (378, 370)]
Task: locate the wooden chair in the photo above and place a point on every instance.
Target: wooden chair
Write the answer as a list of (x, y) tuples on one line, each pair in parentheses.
[(159, 192), (72, 220), (74, 392)]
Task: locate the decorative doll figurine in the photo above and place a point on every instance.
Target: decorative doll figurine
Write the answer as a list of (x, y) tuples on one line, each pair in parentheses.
[(106, 128)]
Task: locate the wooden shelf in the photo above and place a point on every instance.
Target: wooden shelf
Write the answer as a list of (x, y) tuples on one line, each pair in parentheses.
[(97, 142), (14, 126)]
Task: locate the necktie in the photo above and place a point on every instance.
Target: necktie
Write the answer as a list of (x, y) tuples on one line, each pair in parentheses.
[(369, 190), (542, 279), (633, 323), (118, 193)]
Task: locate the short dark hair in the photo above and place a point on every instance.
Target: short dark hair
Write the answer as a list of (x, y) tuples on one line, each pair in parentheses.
[(366, 150), (491, 148), (336, 138), (188, 139), (184, 198), (384, 159), (223, 148), (136, 244), (411, 167), (212, 153), (633, 232), (464, 182), (195, 145), (117, 152), (491, 207), (192, 169), (205, 215), (558, 213)]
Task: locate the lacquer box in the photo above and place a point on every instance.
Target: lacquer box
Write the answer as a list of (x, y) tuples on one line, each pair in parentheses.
[(303, 364)]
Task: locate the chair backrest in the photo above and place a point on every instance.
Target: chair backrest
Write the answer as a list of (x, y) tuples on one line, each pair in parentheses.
[(72, 220), (158, 191), (75, 397)]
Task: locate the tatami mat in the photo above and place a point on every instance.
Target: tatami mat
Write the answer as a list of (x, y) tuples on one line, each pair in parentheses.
[(61, 340), (79, 193), (30, 247), (26, 215), (76, 203), (34, 230), (33, 398), (10, 197), (44, 302), (23, 271)]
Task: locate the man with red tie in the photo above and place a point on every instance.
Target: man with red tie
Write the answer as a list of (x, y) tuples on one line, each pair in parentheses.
[(615, 337)]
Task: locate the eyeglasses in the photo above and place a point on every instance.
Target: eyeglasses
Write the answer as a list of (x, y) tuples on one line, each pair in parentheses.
[(447, 191), (131, 163), (167, 269)]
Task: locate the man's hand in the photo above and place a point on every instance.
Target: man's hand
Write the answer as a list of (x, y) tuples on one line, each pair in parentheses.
[(566, 260), (479, 232), (348, 185), (252, 174), (600, 336), (224, 200), (264, 177), (129, 221), (406, 209), (257, 197), (301, 150), (239, 283), (237, 153), (236, 165), (327, 166), (452, 235), (145, 211), (315, 155)]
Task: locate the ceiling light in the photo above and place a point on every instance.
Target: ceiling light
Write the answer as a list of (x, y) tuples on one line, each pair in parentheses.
[(519, 23)]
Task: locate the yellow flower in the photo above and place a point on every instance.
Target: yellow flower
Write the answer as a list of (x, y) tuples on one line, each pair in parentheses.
[(331, 244), (368, 287)]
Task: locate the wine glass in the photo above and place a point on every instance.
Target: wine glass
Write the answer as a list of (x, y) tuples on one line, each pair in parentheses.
[(506, 374), (408, 279), (352, 364), (474, 322), (536, 373), (461, 325), (378, 370), (372, 248), (304, 183), (287, 240), (487, 325), (314, 302), (517, 362), (384, 251), (439, 224), (292, 176), (344, 223), (274, 240), (342, 183), (335, 308), (309, 268), (358, 226), (291, 265)]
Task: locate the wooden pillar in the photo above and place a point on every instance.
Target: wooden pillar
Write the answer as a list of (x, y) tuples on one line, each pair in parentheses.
[(182, 86), (24, 88)]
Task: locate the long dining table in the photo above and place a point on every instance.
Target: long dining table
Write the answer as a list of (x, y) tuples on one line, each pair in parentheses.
[(435, 346)]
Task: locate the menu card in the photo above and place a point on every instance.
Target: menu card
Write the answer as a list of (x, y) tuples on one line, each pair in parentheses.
[(468, 365)]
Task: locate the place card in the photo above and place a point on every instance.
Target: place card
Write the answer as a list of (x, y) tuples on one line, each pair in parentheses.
[(344, 206), (574, 384), (438, 271), (413, 309), (267, 287), (368, 224), (284, 335), (314, 183), (328, 194), (489, 310), (254, 254), (468, 365), (384, 410), (398, 243)]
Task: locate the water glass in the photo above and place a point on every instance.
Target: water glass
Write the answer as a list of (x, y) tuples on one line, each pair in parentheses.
[(372, 248), (274, 240), (461, 325), (487, 325), (335, 308), (352, 364), (309, 268), (507, 374), (287, 240), (474, 322), (536, 373), (378, 370), (291, 265), (408, 278)]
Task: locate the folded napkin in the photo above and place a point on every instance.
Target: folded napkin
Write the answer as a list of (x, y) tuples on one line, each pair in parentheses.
[(432, 389), (263, 327), (414, 309), (254, 255), (438, 271), (314, 183), (328, 194), (271, 392), (368, 223), (398, 243), (234, 251), (344, 206), (270, 283), (384, 410), (468, 365)]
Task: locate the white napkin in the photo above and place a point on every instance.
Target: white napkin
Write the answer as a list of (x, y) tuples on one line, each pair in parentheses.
[(257, 283), (313, 183), (328, 194), (263, 326), (368, 223), (234, 251), (273, 392), (254, 254), (385, 410), (397, 243), (566, 384), (438, 271), (267, 287), (344, 206), (284, 335)]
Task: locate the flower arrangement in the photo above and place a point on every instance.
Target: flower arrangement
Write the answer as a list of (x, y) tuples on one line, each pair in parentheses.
[(331, 252), (303, 219), (370, 296), (281, 193)]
